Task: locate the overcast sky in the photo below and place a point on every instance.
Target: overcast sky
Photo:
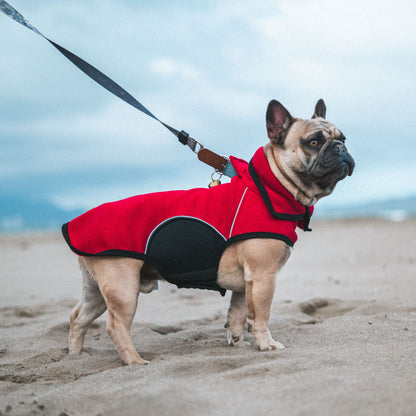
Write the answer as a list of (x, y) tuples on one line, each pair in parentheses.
[(209, 68)]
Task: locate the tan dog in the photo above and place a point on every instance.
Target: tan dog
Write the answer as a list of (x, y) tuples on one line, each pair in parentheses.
[(308, 157)]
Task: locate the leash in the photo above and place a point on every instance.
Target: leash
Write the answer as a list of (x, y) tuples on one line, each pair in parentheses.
[(221, 164)]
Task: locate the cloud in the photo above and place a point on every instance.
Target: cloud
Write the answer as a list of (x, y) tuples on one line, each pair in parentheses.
[(325, 45), (171, 68), (355, 27)]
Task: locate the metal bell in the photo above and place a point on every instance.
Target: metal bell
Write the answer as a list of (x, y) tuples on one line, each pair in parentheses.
[(214, 182)]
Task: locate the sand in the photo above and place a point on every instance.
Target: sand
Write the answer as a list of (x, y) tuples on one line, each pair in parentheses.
[(345, 307)]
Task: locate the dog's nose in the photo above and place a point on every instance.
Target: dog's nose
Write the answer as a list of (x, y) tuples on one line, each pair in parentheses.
[(340, 149)]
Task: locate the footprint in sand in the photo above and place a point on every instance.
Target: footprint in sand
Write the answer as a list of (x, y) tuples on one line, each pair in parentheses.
[(171, 329), (321, 309), (11, 316), (53, 355), (18, 316), (165, 330), (55, 365)]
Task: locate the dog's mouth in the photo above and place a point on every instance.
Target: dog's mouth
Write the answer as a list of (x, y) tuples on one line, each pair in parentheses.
[(337, 173), (343, 170), (346, 167), (350, 163), (330, 170)]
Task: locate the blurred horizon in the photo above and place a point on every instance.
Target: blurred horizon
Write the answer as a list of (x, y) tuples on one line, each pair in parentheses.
[(208, 68)]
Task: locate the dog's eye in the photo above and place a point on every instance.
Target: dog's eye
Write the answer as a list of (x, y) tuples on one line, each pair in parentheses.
[(313, 143)]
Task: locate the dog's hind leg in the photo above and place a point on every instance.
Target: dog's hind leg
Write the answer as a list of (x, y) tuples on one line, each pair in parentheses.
[(89, 308), (119, 282), (236, 318)]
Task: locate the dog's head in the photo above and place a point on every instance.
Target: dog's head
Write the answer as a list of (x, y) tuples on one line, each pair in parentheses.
[(308, 156)]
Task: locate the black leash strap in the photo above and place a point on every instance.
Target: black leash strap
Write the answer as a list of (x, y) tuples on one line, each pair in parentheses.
[(109, 84)]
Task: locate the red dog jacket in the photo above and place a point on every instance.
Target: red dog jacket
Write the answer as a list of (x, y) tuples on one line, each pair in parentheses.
[(184, 233)]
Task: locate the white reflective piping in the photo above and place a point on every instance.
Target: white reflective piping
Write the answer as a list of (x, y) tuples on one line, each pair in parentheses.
[(179, 216), (236, 213)]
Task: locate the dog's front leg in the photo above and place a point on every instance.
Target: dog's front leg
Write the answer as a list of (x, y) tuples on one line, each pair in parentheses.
[(260, 292), (263, 259)]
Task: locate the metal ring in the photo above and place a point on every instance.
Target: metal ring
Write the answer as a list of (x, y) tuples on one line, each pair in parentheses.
[(218, 173), (193, 145)]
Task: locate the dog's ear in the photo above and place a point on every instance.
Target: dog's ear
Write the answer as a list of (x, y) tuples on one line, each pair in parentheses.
[(320, 109), (278, 121)]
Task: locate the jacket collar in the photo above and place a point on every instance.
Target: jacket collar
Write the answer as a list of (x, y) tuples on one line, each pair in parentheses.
[(279, 201)]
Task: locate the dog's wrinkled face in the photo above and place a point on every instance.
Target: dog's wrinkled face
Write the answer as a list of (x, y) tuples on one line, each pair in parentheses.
[(309, 153)]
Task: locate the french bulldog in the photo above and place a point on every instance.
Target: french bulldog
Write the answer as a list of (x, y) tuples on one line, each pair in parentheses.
[(183, 237)]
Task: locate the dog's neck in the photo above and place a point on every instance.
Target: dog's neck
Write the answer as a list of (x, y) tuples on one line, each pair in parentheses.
[(304, 196)]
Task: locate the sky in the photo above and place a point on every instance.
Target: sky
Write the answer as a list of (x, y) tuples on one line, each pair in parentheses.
[(209, 68)]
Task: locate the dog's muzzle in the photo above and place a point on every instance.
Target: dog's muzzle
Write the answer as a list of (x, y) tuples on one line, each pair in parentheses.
[(344, 157)]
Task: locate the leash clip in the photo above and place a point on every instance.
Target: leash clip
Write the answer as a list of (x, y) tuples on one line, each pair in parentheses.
[(196, 146), (193, 144)]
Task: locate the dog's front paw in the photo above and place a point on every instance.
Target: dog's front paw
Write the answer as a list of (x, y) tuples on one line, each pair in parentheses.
[(271, 345), (265, 342)]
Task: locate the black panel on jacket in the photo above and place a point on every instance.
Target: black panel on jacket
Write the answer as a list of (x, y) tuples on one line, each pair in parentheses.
[(186, 252)]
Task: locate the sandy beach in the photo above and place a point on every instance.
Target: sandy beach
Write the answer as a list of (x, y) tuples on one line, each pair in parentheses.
[(345, 308)]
